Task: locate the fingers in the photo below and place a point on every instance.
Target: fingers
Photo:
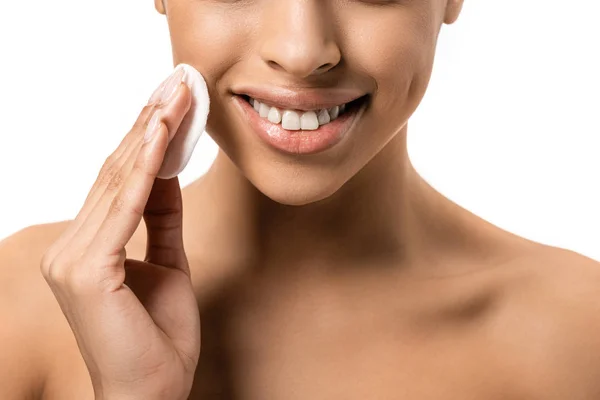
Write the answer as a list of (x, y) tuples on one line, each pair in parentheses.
[(107, 173), (173, 112), (115, 160), (119, 215), (126, 209), (171, 115), (163, 217), (87, 273), (116, 173)]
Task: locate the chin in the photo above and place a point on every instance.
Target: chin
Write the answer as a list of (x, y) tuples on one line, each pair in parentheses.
[(297, 190)]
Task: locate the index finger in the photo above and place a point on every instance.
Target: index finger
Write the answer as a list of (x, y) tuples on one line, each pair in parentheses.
[(127, 208)]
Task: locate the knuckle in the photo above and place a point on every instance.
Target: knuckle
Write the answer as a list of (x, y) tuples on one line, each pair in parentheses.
[(111, 282), (119, 207), (144, 169), (78, 280), (116, 206), (142, 120), (55, 272), (46, 261), (166, 220), (116, 181), (106, 174), (98, 273), (147, 110), (110, 160)]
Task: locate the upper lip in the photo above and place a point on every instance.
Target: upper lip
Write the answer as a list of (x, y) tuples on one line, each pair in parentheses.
[(305, 99)]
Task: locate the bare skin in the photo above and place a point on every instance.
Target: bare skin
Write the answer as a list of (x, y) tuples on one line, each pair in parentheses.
[(327, 277), (520, 328)]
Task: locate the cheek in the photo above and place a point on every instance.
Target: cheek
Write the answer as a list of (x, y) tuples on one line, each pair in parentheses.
[(212, 39), (397, 53), (207, 38)]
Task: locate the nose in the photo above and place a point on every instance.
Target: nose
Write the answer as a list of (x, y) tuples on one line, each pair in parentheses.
[(299, 38)]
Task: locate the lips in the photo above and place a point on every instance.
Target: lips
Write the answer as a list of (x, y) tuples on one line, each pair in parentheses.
[(301, 99), (299, 120), (301, 142)]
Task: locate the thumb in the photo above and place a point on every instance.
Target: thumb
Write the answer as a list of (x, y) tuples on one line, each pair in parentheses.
[(163, 216)]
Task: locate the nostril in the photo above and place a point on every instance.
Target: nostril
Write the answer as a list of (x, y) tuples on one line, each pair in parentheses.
[(275, 65), (319, 70), (324, 68)]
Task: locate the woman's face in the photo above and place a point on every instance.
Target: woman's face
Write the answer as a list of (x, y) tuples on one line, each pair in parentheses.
[(303, 55)]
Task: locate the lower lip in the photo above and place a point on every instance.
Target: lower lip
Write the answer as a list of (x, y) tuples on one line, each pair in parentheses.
[(300, 142)]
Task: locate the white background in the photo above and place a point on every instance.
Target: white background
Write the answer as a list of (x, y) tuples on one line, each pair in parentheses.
[(509, 127)]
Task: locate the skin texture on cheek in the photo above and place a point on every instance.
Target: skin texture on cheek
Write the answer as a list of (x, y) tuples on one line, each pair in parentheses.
[(213, 38), (205, 38), (396, 48)]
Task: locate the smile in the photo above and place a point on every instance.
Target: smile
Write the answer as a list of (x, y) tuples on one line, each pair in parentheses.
[(300, 132), (294, 120)]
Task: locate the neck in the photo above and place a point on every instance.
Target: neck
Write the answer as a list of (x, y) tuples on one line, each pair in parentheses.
[(386, 214)]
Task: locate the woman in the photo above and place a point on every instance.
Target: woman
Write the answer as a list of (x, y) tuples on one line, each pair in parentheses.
[(321, 265)]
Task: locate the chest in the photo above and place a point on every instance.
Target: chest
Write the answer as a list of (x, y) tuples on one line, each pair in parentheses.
[(322, 344), (296, 364), (352, 341)]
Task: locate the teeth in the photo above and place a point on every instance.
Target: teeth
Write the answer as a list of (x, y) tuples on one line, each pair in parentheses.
[(274, 115), (324, 117), (294, 120), (290, 120), (334, 112), (309, 121), (264, 110)]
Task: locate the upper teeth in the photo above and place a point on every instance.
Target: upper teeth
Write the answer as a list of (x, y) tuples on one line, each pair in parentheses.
[(293, 120)]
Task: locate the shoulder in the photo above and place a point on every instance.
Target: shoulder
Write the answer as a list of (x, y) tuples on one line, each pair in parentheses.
[(552, 322), (564, 278), (29, 315)]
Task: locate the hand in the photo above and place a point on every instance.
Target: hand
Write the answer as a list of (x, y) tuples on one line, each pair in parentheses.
[(136, 323)]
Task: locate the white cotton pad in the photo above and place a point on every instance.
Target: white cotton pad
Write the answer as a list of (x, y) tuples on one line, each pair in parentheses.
[(179, 150)]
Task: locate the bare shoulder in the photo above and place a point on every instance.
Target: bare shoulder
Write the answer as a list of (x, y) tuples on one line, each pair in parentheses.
[(550, 327), (33, 327), (569, 281)]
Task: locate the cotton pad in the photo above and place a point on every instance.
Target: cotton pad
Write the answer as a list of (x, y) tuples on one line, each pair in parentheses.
[(179, 150)]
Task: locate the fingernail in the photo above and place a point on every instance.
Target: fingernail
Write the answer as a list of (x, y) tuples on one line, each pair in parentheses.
[(152, 127), (168, 85), (156, 95), (172, 85)]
